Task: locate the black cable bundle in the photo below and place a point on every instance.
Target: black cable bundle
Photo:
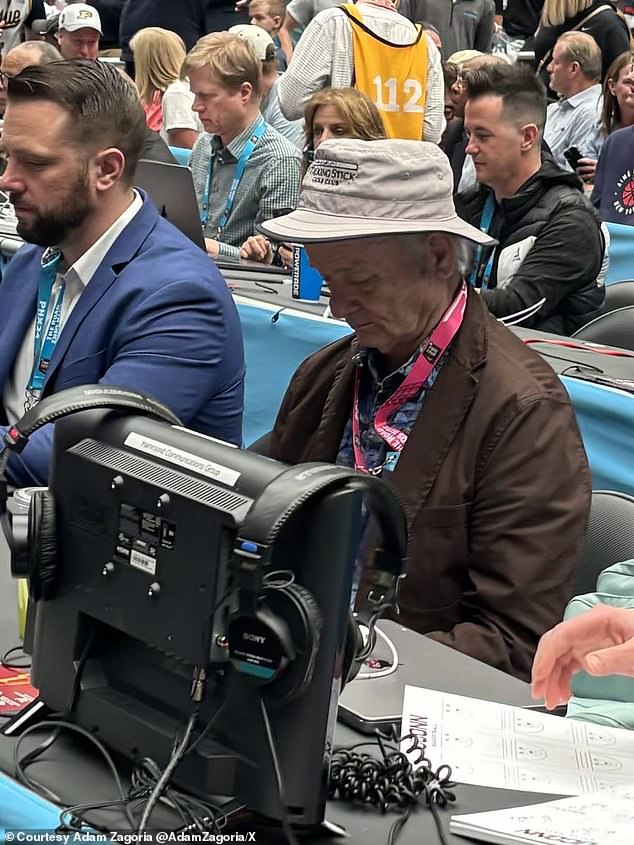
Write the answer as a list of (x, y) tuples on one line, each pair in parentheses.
[(196, 815), (391, 782)]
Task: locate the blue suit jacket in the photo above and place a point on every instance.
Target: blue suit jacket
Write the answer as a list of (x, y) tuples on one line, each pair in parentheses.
[(157, 316)]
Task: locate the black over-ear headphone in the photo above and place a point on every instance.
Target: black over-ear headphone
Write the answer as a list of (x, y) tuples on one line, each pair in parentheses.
[(281, 620), (274, 634), (36, 556)]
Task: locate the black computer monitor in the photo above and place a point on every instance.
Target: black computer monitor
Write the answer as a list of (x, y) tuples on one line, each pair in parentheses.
[(147, 519)]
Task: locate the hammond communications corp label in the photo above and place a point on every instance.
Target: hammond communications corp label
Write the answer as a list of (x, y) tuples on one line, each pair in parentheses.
[(184, 459)]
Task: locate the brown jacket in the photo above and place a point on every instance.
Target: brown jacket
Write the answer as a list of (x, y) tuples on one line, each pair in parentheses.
[(494, 479)]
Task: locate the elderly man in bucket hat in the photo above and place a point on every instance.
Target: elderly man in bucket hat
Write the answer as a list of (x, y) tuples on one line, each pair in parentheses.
[(471, 427)]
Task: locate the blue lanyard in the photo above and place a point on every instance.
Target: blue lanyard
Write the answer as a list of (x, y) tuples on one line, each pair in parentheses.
[(46, 335), (245, 155), (485, 224)]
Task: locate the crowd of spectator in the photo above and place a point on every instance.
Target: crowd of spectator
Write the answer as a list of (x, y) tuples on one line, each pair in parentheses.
[(441, 161)]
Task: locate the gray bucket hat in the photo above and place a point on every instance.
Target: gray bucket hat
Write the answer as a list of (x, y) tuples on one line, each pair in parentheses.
[(356, 189)]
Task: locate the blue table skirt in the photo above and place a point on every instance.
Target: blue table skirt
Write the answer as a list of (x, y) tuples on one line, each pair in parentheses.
[(276, 345), (21, 809)]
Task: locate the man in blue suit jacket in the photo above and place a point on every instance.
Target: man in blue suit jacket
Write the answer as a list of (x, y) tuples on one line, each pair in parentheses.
[(125, 298)]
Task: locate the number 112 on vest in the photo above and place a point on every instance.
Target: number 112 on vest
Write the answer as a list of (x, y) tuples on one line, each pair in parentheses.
[(408, 99)]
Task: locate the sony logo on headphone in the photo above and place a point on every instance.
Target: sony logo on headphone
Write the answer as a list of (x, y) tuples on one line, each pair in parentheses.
[(253, 638)]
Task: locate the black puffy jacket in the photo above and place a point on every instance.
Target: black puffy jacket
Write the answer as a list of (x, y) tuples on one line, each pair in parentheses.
[(552, 233)]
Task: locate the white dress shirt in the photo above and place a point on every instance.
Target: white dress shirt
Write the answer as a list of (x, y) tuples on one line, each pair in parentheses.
[(575, 122), (76, 278)]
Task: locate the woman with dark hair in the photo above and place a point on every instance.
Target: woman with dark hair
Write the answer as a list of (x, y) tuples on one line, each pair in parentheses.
[(618, 94), (613, 190), (330, 113)]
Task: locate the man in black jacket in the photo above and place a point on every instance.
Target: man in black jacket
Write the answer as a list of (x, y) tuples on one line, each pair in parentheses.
[(454, 141), (550, 246), (521, 18)]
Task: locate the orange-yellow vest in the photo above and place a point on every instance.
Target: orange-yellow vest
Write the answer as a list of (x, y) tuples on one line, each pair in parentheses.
[(394, 76)]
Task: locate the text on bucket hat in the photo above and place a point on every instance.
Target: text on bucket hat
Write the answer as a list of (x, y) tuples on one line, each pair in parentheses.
[(356, 189), (79, 15)]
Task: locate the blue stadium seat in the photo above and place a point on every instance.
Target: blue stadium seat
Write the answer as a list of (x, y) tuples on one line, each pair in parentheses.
[(275, 344), (181, 154), (621, 253)]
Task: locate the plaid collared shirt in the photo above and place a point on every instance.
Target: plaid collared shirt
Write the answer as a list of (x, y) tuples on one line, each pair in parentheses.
[(374, 391), (268, 188)]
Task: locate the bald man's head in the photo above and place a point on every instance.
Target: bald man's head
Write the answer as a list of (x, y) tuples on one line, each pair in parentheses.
[(25, 55)]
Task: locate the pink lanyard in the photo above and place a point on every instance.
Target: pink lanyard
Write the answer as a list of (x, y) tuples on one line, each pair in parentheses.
[(430, 353)]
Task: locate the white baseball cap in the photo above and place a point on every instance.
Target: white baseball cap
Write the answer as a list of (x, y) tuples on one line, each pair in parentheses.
[(78, 16), (262, 43)]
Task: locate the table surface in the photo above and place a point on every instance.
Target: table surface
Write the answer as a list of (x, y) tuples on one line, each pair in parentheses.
[(273, 288), (274, 292), (567, 356), (76, 774)]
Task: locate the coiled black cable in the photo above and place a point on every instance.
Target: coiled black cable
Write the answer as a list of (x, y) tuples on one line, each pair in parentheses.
[(391, 781)]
